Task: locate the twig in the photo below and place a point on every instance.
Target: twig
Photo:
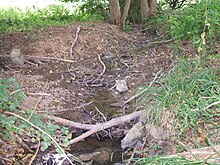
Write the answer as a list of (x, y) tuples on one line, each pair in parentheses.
[(51, 58), (101, 113), (143, 91), (42, 58), (35, 108), (207, 154), (35, 155), (215, 103), (74, 42), (6, 159), (38, 128), (41, 94), (103, 71)]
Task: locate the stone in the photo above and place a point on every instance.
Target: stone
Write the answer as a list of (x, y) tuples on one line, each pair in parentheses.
[(17, 57), (121, 86), (132, 138)]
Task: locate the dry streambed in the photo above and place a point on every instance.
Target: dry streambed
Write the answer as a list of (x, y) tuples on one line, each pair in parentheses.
[(90, 85)]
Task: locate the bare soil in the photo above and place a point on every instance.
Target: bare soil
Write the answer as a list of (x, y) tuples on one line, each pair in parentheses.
[(72, 90)]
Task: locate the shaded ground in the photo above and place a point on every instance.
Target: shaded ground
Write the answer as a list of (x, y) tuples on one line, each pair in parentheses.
[(73, 90)]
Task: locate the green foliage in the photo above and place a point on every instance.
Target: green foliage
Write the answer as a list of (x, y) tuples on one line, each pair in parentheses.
[(191, 90), (190, 21), (11, 96), (94, 7), (173, 4), (14, 19)]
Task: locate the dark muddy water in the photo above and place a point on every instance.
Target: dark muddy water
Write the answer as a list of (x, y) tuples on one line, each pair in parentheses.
[(102, 152)]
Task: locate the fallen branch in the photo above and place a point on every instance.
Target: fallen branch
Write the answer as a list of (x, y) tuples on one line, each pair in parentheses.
[(103, 71), (108, 124), (74, 42), (94, 128), (209, 154), (69, 123), (42, 58)]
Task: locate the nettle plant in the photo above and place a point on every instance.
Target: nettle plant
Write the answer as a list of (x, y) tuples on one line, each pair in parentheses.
[(14, 121)]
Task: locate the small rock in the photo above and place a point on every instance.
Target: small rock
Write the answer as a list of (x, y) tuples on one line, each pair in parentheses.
[(133, 136), (121, 86), (16, 57)]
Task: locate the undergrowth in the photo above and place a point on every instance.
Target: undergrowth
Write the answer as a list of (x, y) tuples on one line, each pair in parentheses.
[(188, 22), (14, 19), (15, 122), (191, 90), (191, 93)]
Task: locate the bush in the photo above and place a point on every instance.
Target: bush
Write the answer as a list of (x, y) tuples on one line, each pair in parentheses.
[(190, 21), (20, 122)]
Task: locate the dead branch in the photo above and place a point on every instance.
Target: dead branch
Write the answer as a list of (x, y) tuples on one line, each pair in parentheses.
[(108, 124), (145, 47), (35, 155), (42, 58), (74, 42), (103, 71), (95, 128), (69, 123), (209, 154)]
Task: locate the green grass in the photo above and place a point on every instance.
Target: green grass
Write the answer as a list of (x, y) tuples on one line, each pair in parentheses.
[(191, 92), (14, 19)]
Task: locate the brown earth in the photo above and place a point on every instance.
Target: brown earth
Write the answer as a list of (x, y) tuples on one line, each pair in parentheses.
[(72, 90), (65, 86)]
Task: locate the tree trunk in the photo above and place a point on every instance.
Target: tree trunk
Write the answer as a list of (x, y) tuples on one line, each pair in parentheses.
[(125, 12), (145, 9), (148, 7), (153, 5), (115, 12)]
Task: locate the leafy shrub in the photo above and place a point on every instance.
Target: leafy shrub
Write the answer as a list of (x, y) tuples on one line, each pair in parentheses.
[(190, 21), (10, 94), (94, 7), (10, 98)]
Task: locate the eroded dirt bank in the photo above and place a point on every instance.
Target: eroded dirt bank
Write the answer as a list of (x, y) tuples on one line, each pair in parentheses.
[(75, 90)]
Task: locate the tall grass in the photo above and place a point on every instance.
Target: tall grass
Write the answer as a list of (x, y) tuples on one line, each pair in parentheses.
[(191, 90)]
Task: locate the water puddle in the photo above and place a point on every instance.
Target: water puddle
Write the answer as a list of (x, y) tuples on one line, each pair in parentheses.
[(101, 152)]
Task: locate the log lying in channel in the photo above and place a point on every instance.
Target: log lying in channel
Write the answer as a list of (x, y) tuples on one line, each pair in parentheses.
[(95, 128)]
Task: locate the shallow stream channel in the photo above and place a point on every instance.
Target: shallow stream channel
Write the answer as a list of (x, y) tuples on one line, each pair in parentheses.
[(104, 147)]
